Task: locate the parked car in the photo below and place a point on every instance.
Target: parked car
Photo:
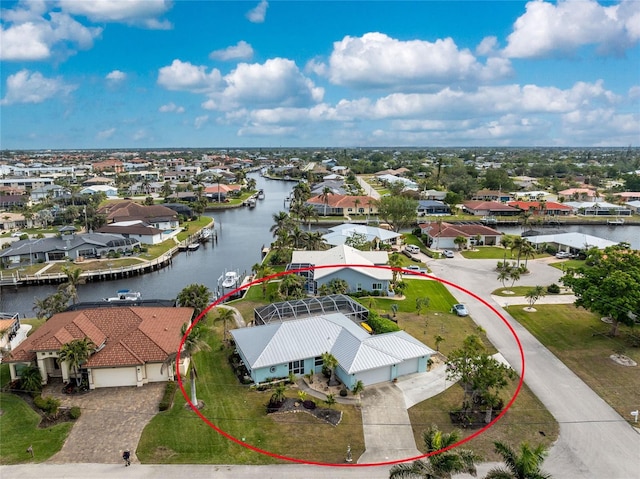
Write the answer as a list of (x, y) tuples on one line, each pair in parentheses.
[(411, 248), (447, 253), (563, 255), (17, 234), (414, 269), (460, 309)]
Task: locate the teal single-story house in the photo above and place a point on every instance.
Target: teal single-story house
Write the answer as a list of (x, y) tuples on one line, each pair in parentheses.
[(295, 346)]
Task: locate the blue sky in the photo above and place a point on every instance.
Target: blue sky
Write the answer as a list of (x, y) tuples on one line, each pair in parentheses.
[(154, 73)]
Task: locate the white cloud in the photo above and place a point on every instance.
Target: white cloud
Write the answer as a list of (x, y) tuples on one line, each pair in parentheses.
[(28, 87), (200, 121), (549, 29), (242, 50), (634, 92), (171, 108), (133, 12), (258, 14), (116, 76), (37, 38), (186, 76), (488, 46), (105, 134), (376, 60)]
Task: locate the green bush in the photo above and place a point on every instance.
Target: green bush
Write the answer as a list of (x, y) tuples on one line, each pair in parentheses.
[(167, 398), (49, 405), (381, 325), (553, 289), (75, 412)]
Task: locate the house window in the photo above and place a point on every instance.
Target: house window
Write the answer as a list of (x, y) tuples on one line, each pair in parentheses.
[(296, 367), (317, 363), (376, 286), (359, 287)]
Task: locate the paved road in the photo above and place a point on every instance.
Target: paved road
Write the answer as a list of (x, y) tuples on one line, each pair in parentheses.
[(595, 442)]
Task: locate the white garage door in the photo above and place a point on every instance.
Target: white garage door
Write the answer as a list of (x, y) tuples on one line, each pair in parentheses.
[(374, 376), (112, 377), (409, 366)]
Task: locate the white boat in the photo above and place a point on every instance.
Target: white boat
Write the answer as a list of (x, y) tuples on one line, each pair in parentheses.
[(252, 202), (193, 246), (261, 194), (125, 295), (615, 222), (231, 279), (205, 234)]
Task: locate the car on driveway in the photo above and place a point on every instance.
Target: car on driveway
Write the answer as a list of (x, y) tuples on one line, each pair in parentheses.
[(414, 269), (16, 234), (447, 253), (563, 255), (460, 309)]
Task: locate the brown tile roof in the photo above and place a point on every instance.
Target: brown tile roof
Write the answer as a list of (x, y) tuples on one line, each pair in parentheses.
[(487, 205), (130, 210), (131, 335), (549, 205), (343, 201)]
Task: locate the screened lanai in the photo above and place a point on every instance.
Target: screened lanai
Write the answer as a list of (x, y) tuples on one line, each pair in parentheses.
[(316, 306)]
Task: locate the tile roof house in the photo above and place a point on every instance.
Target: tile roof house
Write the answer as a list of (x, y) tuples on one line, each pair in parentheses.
[(295, 347), (548, 208), (132, 343), (489, 208), (343, 205), (443, 234), (157, 216)]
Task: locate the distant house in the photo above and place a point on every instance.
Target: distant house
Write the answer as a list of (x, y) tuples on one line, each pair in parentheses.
[(442, 235), (138, 230), (577, 194), (570, 242), (392, 179), (113, 165), (628, 196), (433, 195), (48, 191), (295, 346), (598, 208), (489, 208), (9, 221), (433, 207), (220, 192), (343, 205), (158, 216), (97, 180), (335, 264), (12, 333), (14, 201), (538, 208), (133, 344), (338, 235), (110, 191), (491, 195), (72, 246)]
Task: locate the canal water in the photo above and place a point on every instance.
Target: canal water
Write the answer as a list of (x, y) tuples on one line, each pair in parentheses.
[(242, 232)]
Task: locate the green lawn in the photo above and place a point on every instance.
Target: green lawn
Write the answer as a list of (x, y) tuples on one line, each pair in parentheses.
[(497, 253), (521, 291), (179, 436), (579, 338), (19, 430)]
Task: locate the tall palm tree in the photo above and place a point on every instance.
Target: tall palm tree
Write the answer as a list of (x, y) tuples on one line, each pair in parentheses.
[(196, 296), (315, 241), (298, 236), (528, 251), (281, 221), (395, 262), (442, 465), (307, 213), (73, 280), (75, 353), (225, 315), (326, 192), (262, 270), (194, 343), (507, 242), (517, 244), (329, 361), (522, 464)]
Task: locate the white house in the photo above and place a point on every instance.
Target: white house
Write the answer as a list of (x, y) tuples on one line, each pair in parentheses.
[(296, 346), (358, 268), (110, 191)]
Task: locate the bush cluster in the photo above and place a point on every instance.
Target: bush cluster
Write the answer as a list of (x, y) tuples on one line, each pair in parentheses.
[(169, 393), (49, 405), (75, 412), (381, 325), (553, 288)]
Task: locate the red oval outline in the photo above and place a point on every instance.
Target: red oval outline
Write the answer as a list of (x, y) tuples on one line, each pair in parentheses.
[(328, 464)]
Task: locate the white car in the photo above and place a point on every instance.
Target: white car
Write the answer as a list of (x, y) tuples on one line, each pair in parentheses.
[(563, 255), (447, 253), (460, 310), (17, 234)]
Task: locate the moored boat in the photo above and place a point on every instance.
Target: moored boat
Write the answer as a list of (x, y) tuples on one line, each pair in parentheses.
[(231, 279), (124, 295), (261, 194)]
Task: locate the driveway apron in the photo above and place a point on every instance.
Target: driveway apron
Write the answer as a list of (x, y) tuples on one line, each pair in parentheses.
[(112, 420), (388, 435)]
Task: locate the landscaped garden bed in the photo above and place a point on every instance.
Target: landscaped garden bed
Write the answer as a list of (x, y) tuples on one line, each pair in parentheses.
[(290, 405)]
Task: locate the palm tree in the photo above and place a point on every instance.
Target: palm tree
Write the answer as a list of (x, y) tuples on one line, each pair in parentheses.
[(73, 280), (459, 241), (224, 316), (534, 294), (329, 361), (442, 465), (523, 464), (395, 262), (517, 244), (308, 213), (31, 379), (528, 251), (315, 241), (262, 270), (196, 296), (194, 343), (75, 353), (281, 222), (298, 236), (326, 191), (504, 274)]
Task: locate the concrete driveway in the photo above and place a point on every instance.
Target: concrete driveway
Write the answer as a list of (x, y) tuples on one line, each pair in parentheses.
[(595, 442)]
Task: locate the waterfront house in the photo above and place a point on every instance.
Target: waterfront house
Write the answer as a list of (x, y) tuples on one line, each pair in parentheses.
[(489, 208), (442, 235), (433, 207), (139, 230), (305, 329), (133, 345), (570, 242), (578, 194), (48, 191), (343, 205), (491, 195), (542, 208), (598, 208), (338, 235), (157, 216), (337, 263)]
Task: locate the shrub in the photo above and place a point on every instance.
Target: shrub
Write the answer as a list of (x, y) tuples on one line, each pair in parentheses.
[(49, 404), (167, 398), (381, 325), (75, 412), (309, 404), (553, 288)]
